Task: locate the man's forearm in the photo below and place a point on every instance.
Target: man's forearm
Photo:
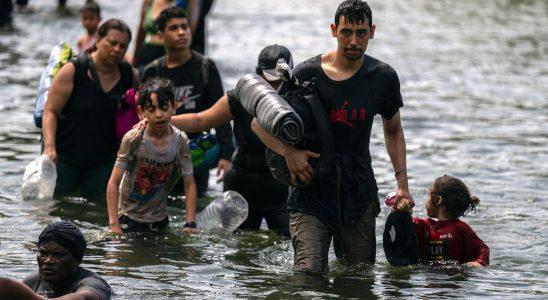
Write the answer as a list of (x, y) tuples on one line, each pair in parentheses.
[(396, 148), (224, 137), (272, 142)]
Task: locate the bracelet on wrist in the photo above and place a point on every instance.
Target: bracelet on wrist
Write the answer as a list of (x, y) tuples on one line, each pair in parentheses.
[(190, 225), (399, 171)]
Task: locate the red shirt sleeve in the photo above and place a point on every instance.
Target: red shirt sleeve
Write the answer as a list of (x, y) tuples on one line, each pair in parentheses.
[(476, 249), (421, 229)]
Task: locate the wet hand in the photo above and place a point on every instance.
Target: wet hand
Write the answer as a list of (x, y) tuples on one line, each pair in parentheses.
[(116, 229), (189, 228), (51, 153), (404, 201), (141, 124), (474, 264), (187, 231), (297, 163), (222, 168)]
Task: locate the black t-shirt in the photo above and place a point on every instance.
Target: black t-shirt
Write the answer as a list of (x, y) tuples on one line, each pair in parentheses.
[(250, 154), (353, 103), (82, 280), (351, 106), (192, 94)]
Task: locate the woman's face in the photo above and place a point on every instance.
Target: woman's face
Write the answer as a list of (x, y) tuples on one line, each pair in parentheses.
[(112, 47)]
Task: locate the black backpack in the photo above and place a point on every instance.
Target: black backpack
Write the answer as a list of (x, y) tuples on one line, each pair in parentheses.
[(305, 99)]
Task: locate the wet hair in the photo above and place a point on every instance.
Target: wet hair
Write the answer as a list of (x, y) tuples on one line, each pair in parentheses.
[(164, 88), (456, 196), (91, 6), (113, 24), (66, 234), (354, 11), (168, 14)]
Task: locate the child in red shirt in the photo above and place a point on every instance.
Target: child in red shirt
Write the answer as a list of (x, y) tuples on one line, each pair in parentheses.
[(442, 236)]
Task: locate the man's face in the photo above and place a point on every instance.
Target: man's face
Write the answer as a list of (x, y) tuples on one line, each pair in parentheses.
[(56, 264), (352, 39), (176, 34)]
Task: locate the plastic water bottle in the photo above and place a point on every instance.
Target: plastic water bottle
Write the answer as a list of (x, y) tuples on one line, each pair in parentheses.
[(39, 179), (225, 213), (389, 202)]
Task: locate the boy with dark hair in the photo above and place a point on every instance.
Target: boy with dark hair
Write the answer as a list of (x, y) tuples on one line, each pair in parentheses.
[(196, 79), (137, 189), (90, 16)]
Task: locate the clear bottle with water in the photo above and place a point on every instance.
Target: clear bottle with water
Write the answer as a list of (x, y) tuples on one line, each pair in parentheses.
[(389, 202), (224, 214), (39, 179)]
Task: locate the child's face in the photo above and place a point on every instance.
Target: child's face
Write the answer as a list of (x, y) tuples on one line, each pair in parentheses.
[(158, 117), (431, 207), (90, 21)]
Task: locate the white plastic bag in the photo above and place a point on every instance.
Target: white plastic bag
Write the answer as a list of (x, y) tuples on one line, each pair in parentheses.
[(39, 179)]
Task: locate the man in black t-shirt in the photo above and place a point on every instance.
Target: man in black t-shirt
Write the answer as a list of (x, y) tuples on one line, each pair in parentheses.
[(249, 175), (342, 205), (61, 247), (197, 82)]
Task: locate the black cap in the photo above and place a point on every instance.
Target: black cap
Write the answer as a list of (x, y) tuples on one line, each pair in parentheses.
[(66, 234), (268, 58), (399, 239)]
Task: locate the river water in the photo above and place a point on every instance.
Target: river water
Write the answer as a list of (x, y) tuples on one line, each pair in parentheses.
[(474, 77)]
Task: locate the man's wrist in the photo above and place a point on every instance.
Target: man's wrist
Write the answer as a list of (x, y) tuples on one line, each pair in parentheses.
[(400, 171)]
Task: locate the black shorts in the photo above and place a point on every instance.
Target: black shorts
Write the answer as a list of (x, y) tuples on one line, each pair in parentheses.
[(130, 225)]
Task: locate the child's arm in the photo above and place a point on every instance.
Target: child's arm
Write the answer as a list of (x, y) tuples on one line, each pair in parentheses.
[(113, 193), (190, 200), (81, 42), (184, 163), (479, 249)]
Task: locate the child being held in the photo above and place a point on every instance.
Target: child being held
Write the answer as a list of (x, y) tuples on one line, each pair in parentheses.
[(90, 16), (137, 189), (442, 236)]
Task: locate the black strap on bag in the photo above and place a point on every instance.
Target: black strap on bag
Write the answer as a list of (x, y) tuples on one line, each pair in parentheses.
[(325, 163), (81, 65), (127, 81), (84, 63)]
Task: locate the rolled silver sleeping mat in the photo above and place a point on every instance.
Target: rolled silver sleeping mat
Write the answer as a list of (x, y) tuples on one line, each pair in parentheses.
[(271, 110)]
